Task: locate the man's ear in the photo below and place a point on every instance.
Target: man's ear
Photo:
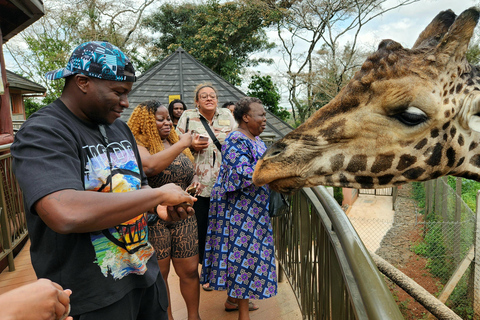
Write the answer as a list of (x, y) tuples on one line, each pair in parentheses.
[(245, 118), (82, 82)]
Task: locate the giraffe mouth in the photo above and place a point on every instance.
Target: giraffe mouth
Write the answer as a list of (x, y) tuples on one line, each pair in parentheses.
[(287, 185)]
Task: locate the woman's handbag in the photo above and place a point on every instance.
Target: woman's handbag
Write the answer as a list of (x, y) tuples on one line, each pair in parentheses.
[(278, 205)]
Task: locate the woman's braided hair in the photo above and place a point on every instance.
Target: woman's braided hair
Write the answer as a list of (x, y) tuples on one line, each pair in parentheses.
[(142, 123)]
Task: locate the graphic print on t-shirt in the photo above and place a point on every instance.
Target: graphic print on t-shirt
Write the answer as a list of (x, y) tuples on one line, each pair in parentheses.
[(123, 249)]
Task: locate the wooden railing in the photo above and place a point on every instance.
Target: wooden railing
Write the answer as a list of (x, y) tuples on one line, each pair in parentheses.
[(326, 263), (13, 225)]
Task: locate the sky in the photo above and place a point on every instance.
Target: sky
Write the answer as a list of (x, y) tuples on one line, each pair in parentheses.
[(402, 25)]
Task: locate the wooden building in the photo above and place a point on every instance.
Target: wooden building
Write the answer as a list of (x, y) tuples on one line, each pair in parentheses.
[(21, 88), (177, 75), (15, 16)]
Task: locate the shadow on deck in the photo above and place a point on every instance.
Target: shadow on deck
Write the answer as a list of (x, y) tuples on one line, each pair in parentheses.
[(283, 306)]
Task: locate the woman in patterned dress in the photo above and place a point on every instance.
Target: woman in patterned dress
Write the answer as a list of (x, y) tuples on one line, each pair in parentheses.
[(166, 158), (239, 252)]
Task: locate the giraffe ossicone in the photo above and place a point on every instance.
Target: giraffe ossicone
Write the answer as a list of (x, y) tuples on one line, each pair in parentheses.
[(407, 115)]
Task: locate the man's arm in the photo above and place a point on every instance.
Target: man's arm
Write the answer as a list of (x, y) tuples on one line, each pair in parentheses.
[(72, 211)]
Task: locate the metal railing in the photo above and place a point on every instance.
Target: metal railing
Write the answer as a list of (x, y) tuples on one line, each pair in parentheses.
[(326, 263), (13, 225), (331, 272)]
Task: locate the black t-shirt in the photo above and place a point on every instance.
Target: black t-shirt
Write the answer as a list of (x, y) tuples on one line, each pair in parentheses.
[(54, 150)]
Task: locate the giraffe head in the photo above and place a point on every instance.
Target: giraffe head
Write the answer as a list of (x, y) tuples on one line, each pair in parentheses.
[(407, 115)]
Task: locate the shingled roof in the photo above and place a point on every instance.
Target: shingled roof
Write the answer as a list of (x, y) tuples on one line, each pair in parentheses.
[(179, 74), (23, 84)]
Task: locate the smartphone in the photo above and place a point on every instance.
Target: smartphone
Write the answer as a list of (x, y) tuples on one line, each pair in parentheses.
[(192, 190), (203, 138)]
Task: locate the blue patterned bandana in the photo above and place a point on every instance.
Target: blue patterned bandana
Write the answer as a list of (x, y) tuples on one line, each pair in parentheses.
[(98, 59)]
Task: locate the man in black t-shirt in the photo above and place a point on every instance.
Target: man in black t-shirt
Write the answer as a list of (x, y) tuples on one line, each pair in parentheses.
[(86, 194)]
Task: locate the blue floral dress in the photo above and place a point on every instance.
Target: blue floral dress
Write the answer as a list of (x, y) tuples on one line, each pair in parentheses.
[(239, 253)]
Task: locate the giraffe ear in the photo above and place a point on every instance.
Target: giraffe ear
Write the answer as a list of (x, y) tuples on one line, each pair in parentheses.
[(454, 44), (469, 115), (435, 30)]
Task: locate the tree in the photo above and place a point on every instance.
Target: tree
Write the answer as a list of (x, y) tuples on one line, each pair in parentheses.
[(263, 88), (48, 43), (313, 23), (221, 36)]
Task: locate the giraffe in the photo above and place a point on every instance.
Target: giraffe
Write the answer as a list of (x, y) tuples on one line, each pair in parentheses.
[(406, 115)]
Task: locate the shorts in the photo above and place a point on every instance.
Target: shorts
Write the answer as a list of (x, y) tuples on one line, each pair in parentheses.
[(139, 304), (177, 239)]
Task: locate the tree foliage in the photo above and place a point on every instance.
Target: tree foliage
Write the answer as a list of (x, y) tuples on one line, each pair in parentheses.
[(263, 88), (48, 43), (315, 25), (221, 36)]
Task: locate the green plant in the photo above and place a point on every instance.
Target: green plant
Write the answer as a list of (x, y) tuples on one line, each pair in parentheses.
[(338, 194)]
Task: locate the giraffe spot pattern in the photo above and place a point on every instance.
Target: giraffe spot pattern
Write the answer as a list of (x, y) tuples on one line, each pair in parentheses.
[(453, 131), (460, 162), (472, 146), (459, 88), (436, 174), (414, 173), (332, 130), (450, 157), (475, 161), (461, 140), (421, 144), (365, 181), (406, 161), (445, 125), (472, 176), (434, 133), (357, 163), (385, 179), (382, 162), (329, 180), (336, 162), (436, 156)]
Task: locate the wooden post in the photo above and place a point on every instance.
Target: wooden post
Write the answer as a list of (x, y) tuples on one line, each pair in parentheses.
[(443, 207), (476, 265), (458, 219), (6, 127)]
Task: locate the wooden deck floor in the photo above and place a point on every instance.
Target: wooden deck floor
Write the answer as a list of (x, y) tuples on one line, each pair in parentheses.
[(283, 306)]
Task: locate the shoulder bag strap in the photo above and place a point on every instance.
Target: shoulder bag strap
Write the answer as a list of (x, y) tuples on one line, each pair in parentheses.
[(210, 133)]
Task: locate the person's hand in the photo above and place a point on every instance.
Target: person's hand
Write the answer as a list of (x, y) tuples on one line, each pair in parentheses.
[(178, 203), (186, 139), (175, 213), (199, 144), (196, 185), (40, 300)]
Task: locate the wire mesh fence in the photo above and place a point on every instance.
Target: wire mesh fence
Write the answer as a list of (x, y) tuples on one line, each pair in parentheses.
[(430, 235)]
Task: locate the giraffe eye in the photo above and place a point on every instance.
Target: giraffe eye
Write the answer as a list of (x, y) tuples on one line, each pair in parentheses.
[(411, 116)]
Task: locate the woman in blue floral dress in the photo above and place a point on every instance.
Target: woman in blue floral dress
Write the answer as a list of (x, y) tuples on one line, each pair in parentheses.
[(239, 253)]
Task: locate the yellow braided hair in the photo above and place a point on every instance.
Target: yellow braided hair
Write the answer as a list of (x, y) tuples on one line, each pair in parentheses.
[(142, 123)]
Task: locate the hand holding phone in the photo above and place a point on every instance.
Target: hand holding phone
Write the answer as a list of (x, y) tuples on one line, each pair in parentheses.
[(192, 190), (202, 137)]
